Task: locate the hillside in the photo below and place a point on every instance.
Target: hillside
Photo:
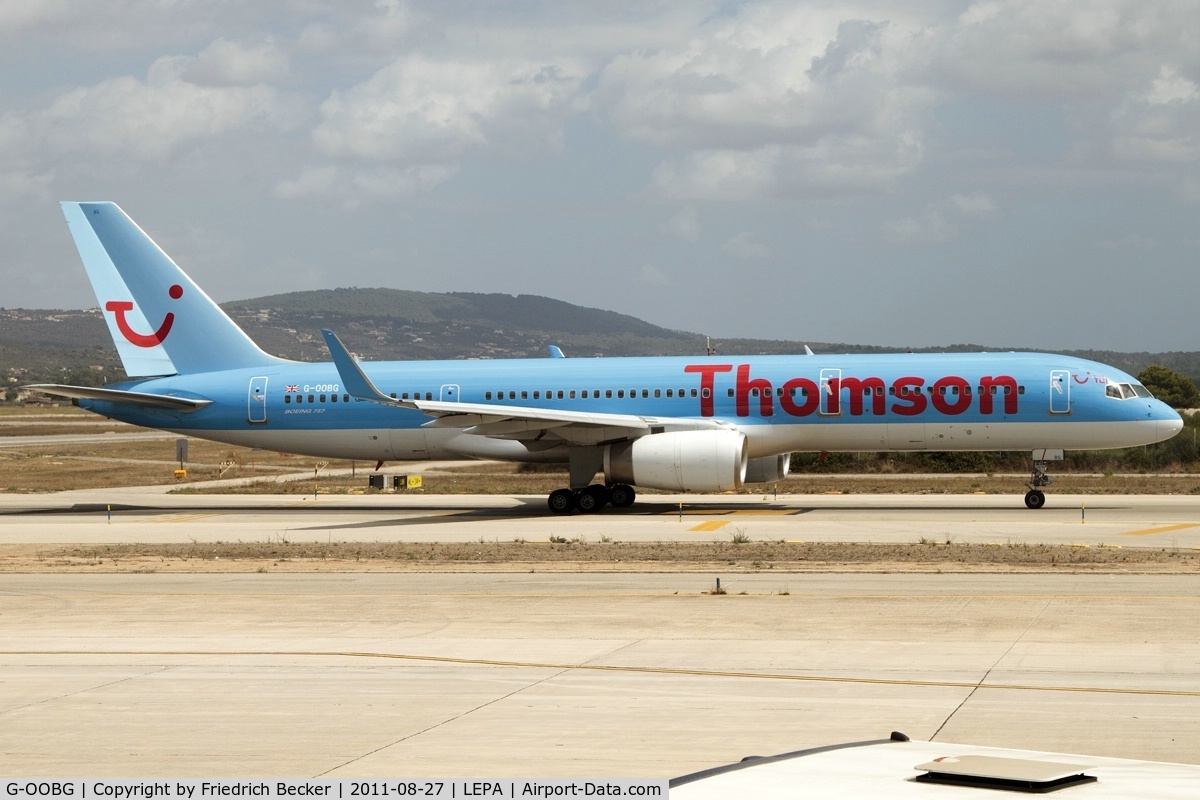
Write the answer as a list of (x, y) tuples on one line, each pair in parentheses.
[(378, 324)]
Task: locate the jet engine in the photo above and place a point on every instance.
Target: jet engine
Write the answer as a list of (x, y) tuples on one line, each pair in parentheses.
[(700, 461), (768, 468)]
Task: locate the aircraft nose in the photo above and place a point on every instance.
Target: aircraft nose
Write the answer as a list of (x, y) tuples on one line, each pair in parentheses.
[(1169, 424)]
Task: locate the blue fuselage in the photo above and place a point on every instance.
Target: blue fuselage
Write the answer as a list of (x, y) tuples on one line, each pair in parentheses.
[(984, 401)]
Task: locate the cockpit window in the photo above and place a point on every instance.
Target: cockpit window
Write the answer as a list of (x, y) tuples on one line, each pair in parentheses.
[(1126, 391)]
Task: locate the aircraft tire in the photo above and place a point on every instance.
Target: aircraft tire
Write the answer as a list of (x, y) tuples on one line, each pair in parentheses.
[(1035, 499), (621, 495), (591, 499), (561, 501)]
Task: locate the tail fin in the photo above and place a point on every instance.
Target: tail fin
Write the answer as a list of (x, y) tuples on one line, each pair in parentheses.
[(161, 322)]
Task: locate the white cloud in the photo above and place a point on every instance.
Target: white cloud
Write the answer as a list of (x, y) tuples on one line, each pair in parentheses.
[(939, 221), (148, 120), (1160, 122), (350, 186), (1134, 241), (226, 63), (1171, 87), (745, 246), (1026, 49), (652, 277), (777, 100), (932, 227), (973, 205), (837, 165), (433, 111), (684, 225)]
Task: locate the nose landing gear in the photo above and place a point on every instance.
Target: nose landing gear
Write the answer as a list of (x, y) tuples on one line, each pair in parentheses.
[(1035, 497)]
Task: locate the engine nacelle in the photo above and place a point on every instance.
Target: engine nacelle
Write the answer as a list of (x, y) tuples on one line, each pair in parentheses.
[(768, 468), (698, 461)]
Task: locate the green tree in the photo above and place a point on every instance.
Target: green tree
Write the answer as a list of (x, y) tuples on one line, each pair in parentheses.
[(1177, 391)]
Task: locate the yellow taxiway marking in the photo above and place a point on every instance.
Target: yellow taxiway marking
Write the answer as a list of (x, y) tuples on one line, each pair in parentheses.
[(172, 518), (1164, 529), (714, 525), (734, 512), (698, 673)]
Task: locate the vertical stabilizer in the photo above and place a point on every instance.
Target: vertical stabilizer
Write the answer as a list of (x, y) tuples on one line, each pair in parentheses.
[(161, 322)]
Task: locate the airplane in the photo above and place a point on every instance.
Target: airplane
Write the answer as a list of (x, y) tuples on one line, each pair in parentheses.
[(708, 423), (902, 767)]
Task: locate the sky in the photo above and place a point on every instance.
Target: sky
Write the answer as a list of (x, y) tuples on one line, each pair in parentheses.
[(1012, 174)]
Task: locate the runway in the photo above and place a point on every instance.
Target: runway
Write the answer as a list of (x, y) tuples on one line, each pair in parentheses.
[(579, 675), (582, 674), (138, 516)]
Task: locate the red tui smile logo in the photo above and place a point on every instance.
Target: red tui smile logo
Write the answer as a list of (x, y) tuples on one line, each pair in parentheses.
[(119, 307)]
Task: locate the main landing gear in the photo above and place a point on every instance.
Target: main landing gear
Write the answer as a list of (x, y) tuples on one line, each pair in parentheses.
[(590, 499), (1035, 497)]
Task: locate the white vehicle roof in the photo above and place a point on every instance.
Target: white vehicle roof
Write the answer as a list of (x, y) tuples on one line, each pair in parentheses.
[(896, 768)]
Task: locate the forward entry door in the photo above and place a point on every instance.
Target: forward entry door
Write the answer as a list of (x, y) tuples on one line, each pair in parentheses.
[(1060, 391), (256, 401)]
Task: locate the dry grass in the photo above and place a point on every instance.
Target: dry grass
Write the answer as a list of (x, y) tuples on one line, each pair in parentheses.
[(143, 463), (283, 556)]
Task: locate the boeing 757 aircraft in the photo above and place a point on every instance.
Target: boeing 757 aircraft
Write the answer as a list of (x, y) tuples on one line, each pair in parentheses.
[(704, 423)]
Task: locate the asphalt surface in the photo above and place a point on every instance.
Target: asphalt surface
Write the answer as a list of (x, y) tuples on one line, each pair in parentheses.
[(579, 675), (138, 515), (464, 674)]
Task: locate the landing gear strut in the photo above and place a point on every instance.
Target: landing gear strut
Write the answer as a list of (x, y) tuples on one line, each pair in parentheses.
[(1035, 497)]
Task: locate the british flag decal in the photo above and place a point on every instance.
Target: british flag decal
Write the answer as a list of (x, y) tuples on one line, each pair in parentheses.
[(291, 387)]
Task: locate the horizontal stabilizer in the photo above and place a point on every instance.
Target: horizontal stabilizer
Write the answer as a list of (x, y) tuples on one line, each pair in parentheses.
[(184, 404)]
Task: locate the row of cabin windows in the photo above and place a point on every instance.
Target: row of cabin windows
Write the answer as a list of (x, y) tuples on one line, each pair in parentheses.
[(905, 391), (571, 394), (795, 392), (345, 398), (316, 398)]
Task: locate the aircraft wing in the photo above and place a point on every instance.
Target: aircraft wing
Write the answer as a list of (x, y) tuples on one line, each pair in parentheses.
[(512, 421), (185, 404), (508, 422)]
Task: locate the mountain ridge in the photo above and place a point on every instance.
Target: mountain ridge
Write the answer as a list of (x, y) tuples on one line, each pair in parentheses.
[(396, 324)]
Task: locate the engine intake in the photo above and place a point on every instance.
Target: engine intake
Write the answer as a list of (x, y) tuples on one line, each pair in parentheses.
[(681, 461)]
